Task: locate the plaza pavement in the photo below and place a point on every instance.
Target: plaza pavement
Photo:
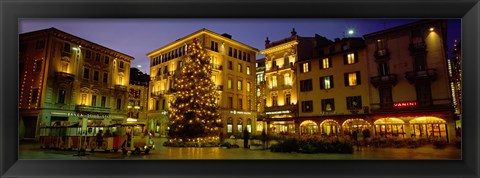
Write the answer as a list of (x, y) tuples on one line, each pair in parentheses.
[(31, 150)]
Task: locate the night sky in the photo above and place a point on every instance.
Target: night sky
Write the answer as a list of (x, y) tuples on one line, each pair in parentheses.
[(137, 37)]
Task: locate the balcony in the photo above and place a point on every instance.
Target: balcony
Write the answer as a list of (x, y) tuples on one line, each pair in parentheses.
[(381, 54), (290, 107), (429, 74), (281, 87), (388, 80), (122, 88), (63, 76), (417, 47), (279, 68), (217, 67), (85, 108)]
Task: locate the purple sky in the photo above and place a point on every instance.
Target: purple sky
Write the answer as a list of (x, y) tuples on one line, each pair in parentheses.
[(137, 37)]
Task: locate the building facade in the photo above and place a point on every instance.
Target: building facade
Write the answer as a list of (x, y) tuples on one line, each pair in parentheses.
[(334, 89), (138, 96), (64, 79), (233, 73), (392, 83), (411, 94), (260, 96), (455, 74), (281, 90)]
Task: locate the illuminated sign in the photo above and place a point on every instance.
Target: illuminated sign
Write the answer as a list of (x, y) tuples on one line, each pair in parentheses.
[(406, 104), (240, 112), (278, 112), (89, 115)]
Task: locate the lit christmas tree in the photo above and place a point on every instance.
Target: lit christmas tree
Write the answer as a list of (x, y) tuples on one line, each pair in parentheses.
[(193, 111)]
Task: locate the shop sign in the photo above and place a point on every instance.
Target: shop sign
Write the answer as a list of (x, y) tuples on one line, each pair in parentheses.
[(406, 104), (277, 112), (240, 112), (89, 115)]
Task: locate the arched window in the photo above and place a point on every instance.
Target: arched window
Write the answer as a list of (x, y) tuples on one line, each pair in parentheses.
[(249, 125), (239, 125), (229, 125), (308, 127)]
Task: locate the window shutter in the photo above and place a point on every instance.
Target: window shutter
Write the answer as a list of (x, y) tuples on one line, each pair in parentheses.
[(358, 78), (345, 59), (322, 83), (332, 104), (345, 77), (309, 67), (301, 68), (356, 57), (331, 81), (329, 62)]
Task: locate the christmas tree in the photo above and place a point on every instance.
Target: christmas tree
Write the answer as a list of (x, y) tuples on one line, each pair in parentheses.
[(193, 111)]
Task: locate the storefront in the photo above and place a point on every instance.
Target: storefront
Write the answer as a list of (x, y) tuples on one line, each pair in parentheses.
[(390, 127), (357, 125), (308, 127), (429, 127), (329, 127)]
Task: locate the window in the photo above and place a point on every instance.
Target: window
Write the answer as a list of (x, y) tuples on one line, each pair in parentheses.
[(38, 66), (121, 64), (248, 70), (88, 54), (352, 79), (230, 51), (34, 95), (214, 46), (306, 85), (97, 57), (61, 96), (239, 68), (331, 49), (240, 103), (239, 54), (420, 63), (229, 125), (307, 106), (230, 65), (248, 86), (163, 104), (119, 104), (305, 67), (417, 36), (106, 60), (165, 70), (94, 100), (287, 99), (157, 105), (424, 93), (104, 101), (249, 104), (86, 73), (84, 99), (248, 57), (274, 63), (235, 53), (95, 75), (326, 82), (288, 80), (326, 63), (328, 104), (274, 81), (385, 97), (180, 64), (274, 100), (245, 56), (239, 85), (230, 102), (105, 77), (354, 102), (345, 47), (65, 67), (383, 68), (350, 58), (239, 125), (259, 78), (381, 44), (66, 47), (229, 84)]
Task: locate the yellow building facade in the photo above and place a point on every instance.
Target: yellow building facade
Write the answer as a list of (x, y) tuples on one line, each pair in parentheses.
[(64, 79), (233, 73)]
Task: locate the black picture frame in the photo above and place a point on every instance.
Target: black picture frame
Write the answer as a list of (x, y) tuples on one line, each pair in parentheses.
[(11, 11)]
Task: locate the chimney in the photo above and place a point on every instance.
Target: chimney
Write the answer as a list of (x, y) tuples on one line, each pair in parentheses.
[(227, 35), (267, 41)]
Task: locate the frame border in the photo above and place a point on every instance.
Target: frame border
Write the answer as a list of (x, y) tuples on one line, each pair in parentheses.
[(11, 11)]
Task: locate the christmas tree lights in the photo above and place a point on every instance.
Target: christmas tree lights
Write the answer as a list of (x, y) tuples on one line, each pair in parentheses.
[(193, 112)]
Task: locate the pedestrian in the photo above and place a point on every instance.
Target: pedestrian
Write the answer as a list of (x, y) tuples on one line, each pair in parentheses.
[(246, 136), (99, 137), (107, 133), (264, 139)]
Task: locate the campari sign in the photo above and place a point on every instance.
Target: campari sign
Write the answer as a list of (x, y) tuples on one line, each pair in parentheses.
[(405, 104)]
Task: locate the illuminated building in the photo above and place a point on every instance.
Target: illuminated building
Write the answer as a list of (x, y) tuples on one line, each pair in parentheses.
[(455, 74), (281, 61), (64, 78), (410, 93), (333, 93), (260, 95), (233, 72), (137, 96)]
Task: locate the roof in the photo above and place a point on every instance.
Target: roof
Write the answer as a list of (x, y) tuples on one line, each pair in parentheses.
[(199, 32), (401, 27), (52, 29)]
